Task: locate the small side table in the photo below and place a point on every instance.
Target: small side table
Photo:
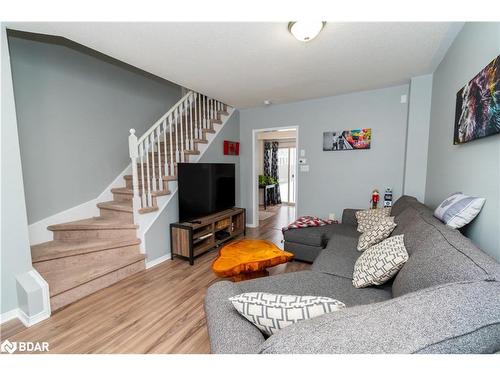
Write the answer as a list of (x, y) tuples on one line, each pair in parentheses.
[(266, 188)]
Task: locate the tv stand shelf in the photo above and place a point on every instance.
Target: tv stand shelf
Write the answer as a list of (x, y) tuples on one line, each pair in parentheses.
[(189, 240)]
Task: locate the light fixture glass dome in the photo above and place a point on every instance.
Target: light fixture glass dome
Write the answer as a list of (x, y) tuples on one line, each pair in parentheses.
[(305, 31)]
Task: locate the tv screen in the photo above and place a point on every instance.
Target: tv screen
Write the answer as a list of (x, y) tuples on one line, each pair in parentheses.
[(204, 189)]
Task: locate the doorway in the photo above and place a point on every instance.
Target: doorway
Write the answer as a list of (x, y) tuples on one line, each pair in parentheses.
[(274, 173)]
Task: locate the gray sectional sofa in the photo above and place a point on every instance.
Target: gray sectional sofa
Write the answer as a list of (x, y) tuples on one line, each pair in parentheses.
[(445, 299)]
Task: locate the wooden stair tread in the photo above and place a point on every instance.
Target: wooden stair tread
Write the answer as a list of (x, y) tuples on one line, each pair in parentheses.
[(124, 206), (165, 178), (61, 248), (92, 224), (62, 280), (128, 191)]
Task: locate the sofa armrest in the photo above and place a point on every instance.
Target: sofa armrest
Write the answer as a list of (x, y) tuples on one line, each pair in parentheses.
[(349, 216), (229, 332), (451, 318)]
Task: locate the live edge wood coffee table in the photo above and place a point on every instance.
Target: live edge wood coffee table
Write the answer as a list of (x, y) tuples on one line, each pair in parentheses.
[(248, 259)]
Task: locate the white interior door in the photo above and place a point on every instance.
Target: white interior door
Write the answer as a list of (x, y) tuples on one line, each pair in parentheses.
[(286, 172)]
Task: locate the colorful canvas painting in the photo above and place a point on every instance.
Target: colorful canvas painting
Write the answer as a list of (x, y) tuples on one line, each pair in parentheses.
[(477, 112), (344, 140)]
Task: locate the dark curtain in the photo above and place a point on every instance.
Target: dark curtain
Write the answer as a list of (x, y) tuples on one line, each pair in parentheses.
[(271, 170)]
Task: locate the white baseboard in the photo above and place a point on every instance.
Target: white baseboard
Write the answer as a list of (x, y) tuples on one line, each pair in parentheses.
[(9, 315), (157, 261), (38, 231)]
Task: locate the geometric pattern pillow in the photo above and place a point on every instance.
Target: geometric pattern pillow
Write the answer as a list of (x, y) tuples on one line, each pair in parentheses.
[(376, 233), (459, 210), (272, 312), (367, 218), (380, 263)]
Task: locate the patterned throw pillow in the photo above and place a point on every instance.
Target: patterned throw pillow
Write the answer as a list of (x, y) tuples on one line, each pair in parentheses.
[(459, 210), (376, 233), (367, 218), (380, 263), (272, 312)]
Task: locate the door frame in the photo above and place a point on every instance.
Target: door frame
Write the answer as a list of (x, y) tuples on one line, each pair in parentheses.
[(290, 172), (255, 187)]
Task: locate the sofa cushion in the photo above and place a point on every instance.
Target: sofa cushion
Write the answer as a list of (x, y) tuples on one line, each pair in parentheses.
[(338, 258), (439, 255), (444, 319), (310, 283), (368, 218)]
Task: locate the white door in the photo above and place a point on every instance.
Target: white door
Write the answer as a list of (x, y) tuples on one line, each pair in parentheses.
[(286, 172)]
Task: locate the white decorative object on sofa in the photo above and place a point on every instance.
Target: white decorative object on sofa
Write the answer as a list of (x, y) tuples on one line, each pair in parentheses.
[(459, 210), (272, 312), (380, 263), (376, 233), (367, 218)]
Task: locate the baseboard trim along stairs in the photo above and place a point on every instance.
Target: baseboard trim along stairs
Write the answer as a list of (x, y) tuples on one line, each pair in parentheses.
[(92, 253)]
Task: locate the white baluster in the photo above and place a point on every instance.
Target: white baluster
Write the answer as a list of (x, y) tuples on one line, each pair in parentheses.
[(148, 193), (191, 121), (133, 152), (196, 122), (172, 172), (205, 113), (164, 126), (152, 151), (177, 154), (183, 159), (158, 150), (144, 198)]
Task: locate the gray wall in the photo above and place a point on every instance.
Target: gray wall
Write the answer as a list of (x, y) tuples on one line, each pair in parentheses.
[(74, 110), (158, 236), (473, 168), (15, 248), (336, 179), (417, 138)]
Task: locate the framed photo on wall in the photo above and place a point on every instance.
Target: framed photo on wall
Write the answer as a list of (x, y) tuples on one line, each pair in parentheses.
[(345, 140)]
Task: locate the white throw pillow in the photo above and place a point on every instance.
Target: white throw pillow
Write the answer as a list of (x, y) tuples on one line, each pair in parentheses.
[(376, 233), (272, 312), (380, 263), (367, 218), (459, 209)]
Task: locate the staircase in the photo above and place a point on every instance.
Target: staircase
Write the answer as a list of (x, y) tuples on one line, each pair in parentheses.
[(90, 254)]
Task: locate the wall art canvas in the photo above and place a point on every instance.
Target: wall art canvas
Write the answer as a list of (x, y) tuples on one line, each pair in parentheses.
[(344, 140), (477, 112), (231, 148)]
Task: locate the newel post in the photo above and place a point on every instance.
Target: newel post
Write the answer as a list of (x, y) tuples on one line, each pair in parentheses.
[(132, 148)]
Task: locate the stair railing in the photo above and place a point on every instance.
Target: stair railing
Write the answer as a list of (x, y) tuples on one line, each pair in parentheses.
[(156, 153)]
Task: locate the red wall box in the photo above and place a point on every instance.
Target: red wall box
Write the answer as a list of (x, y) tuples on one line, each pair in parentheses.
[(231, 148)]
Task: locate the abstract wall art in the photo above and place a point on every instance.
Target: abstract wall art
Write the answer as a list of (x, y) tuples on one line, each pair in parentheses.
[(344, 140), (477, 112)]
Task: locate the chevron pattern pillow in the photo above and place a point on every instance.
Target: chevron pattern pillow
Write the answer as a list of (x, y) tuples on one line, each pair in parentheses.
[(367, 218), (376, 233), (272, 312), (380, 263)]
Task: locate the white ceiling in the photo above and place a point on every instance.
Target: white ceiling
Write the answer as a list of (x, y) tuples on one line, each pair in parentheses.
[(244, 64)]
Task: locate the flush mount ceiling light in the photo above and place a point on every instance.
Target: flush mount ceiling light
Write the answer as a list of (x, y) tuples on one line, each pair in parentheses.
[(305, 31)]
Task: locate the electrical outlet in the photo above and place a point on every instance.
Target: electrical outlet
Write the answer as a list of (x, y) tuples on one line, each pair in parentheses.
[(304, 168)]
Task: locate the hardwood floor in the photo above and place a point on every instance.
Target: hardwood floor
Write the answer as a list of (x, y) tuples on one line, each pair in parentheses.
[(159, 310)]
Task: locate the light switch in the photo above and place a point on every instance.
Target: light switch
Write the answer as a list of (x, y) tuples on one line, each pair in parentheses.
[(302, 153), (404, 99)]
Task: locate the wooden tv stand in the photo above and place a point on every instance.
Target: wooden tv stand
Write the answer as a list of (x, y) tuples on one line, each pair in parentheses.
[(189, 240)]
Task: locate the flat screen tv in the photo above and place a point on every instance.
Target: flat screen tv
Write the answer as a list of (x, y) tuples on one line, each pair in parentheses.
[(204, 189)]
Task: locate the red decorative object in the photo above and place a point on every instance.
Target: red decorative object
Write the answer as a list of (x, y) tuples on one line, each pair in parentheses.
[(231, 148)]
